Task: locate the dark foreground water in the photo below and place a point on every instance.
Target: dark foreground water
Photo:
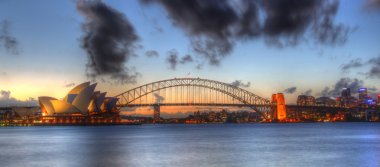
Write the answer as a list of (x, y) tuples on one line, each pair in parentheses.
[(315, 144)]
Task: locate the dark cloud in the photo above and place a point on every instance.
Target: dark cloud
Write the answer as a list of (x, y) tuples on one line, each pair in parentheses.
[(325, 30), (7, 41), (6, 100), (151, 53), (207, 23), (372, 4), (110, 41), (5, 94), (3, 73), (307, 93), (199, 66), (239, 83), (158, 98), (355, 63), (373, 63), (172, 59), (353, 84), (186, 59), (374, 71), (290, 90), (213, 26), (157, 27)]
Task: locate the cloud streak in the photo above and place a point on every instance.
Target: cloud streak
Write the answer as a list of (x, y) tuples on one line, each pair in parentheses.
[(374, 71), (158, 98), (70, 85), (172, 59), (240, 83), (373, 63), (186, 59), (355, 63), (353, 84), (290, 90), (7, 101), (151, 53), (307, 93), (7, 41)]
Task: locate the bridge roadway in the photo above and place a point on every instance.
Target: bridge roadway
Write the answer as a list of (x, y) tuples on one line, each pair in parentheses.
[(227, 105)]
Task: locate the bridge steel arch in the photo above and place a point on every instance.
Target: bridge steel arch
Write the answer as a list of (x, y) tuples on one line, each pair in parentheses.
[(255, 102)]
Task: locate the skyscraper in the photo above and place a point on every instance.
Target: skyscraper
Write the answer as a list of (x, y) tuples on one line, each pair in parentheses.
[(362, 95), (346, 92)]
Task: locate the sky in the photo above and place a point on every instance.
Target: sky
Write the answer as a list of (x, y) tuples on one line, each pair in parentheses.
[(294, 47)]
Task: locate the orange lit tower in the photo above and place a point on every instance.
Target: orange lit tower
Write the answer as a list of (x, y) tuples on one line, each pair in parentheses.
[(279, 107)]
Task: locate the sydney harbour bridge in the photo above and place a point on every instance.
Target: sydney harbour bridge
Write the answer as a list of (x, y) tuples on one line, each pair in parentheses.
[(205, 92)]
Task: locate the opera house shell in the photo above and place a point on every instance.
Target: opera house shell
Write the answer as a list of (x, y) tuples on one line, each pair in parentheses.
[(81, 100)]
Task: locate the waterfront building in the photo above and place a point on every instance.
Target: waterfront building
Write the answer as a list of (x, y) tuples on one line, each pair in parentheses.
[(325, 101), (338, 102), (304, 100), (346, 100), (346, 92), (81, 104), (362, 95)]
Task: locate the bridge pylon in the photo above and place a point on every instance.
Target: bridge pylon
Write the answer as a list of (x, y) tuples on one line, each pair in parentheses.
[(156, 113), (278, 107)]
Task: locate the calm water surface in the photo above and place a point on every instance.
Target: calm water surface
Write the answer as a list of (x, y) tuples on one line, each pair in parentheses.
[(314, 144)]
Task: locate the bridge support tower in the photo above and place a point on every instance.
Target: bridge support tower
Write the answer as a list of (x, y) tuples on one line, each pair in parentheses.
[(278, 107), (156, 113)]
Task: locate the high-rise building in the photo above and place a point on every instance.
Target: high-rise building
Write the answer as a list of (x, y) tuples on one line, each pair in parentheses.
[(346, 92), (363, 96), (346, 99)]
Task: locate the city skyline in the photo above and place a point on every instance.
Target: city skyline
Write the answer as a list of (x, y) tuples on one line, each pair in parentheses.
[(189, 83), (48, 37)]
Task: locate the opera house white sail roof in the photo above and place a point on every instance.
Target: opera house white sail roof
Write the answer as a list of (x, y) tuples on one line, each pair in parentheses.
[(82, 99)]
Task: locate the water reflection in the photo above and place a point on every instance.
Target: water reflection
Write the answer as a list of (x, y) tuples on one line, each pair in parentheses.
[(332, 144)]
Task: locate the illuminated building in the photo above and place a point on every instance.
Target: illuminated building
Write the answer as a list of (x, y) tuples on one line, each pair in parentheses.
[(304, 100), (279, 111), (325, 101), (347, 100), (338, 101), (346, 92), (362, 95), (96, 102), (22, 114), (81, 104)]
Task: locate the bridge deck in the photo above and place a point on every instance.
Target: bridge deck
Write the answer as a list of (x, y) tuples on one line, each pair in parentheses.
[(219, 104)]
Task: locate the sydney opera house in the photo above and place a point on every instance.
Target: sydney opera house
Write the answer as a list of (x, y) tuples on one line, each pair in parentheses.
[(82, 105)]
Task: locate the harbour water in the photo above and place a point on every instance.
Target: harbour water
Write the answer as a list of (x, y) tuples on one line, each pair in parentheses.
[(302, 144)]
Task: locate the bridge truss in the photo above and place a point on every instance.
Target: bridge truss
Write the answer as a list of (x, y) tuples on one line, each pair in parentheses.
[(193, 92)]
